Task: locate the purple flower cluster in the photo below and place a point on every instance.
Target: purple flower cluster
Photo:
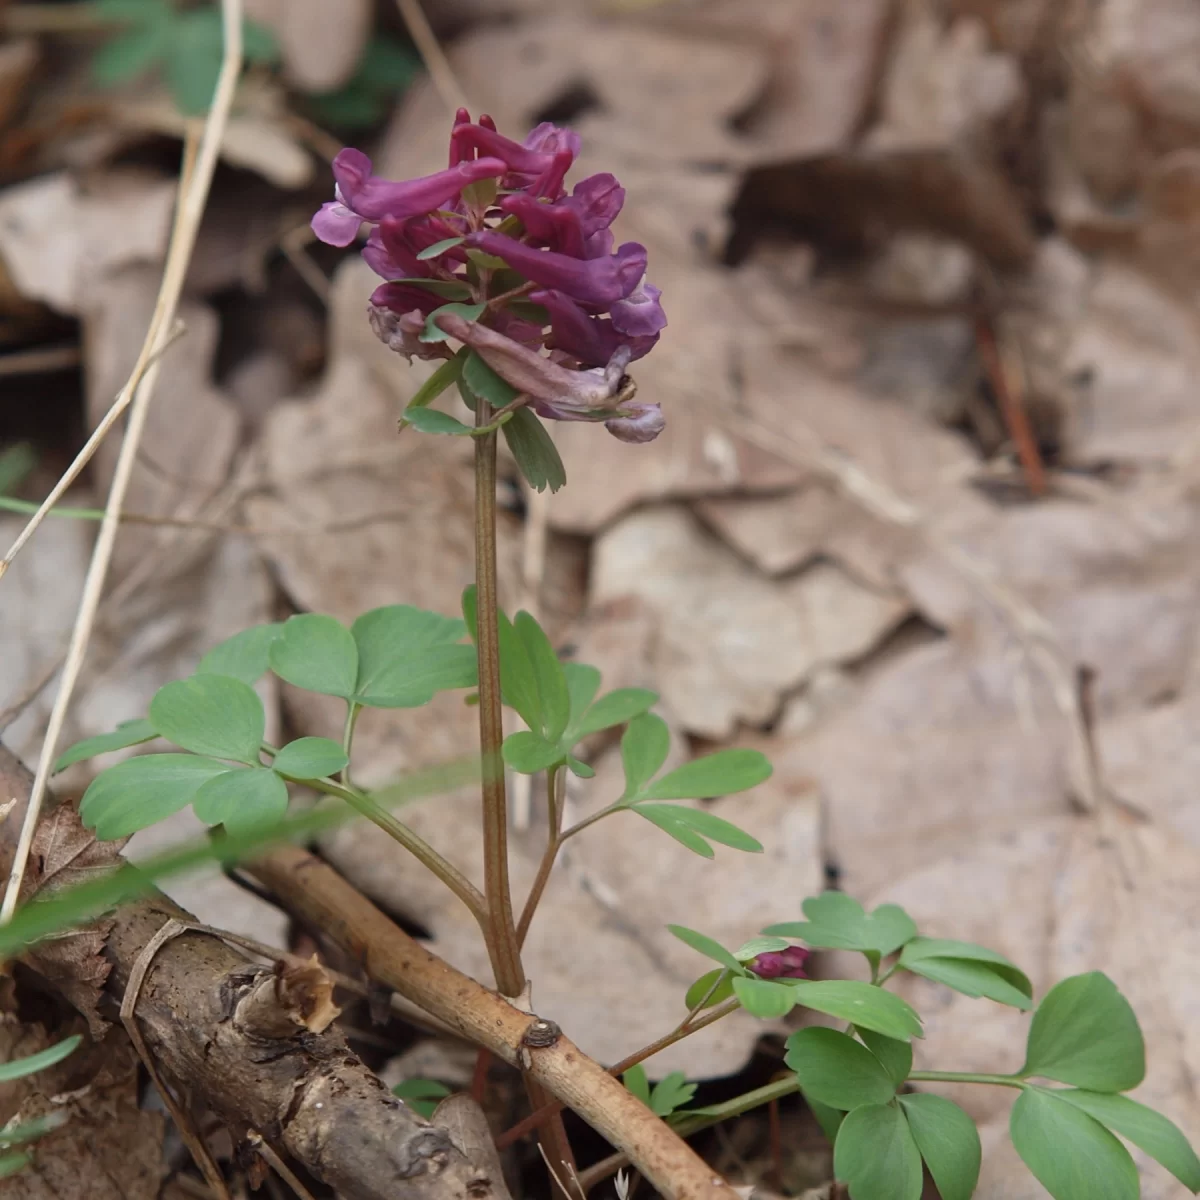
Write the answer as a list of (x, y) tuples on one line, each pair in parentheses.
[(566, 312), (781, 964)]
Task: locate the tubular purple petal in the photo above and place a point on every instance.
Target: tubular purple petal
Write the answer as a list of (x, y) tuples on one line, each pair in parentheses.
[(574, 395), (591, 340), (552, 225), (641, 313), (599, 281), (335, 225), (373, 198), (638, 423)]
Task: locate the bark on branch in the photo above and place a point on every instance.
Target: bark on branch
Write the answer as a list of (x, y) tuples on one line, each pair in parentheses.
[(312, 889), (207, 1018)]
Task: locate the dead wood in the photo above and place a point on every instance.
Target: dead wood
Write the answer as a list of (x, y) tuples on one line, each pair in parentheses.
[(206, 1017)]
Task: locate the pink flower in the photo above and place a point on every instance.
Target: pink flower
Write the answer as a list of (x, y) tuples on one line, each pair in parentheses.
[(362, 196), (781, 964), (564, 318)]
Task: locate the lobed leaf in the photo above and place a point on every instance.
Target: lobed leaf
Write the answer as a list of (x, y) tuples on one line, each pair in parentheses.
[(876, 1156), (128, 733), (141, 791), (213, 715), (1070, 1153), (310, 758), (1085, 1033), (316, 653), (838, 1071), (948, 1142)]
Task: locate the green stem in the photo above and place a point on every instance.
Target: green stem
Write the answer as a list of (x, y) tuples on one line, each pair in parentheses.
[(449, 874), (503, 947), (553, 842), (352, 711), (596, 816), (966, 1077)]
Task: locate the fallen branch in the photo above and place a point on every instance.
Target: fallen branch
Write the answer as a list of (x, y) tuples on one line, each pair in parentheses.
[(314, 891), (256, 1049)]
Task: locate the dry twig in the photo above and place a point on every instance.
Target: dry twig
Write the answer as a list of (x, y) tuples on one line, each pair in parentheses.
[(200, 160)]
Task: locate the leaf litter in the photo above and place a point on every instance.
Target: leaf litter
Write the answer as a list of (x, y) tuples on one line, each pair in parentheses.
[(830, 555)]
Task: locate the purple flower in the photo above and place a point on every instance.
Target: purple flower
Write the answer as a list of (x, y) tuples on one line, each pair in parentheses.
[(397, 313), (362, 196), (599, 281), (576, 225), (641, 423), (592, 340), (781, 964), (601, 312), (640, 313)]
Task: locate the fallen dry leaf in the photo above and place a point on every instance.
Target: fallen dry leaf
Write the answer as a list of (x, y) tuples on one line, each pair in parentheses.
[(731, 645), (108, 1148), (58, 241), (321, 44)]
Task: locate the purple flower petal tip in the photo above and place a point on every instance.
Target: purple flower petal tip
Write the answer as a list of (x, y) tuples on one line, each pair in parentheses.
[(335, 225), (638, 423)]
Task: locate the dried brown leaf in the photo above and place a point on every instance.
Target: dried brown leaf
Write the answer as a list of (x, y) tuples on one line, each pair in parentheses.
[(730, 643)]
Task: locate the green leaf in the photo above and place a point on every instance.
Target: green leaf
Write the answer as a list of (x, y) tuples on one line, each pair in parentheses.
[(708, 947), (468, 312), (128, 733), (316, 653), (866, 1006), (583, 682), (1145, 1128), (16, 462), (875, 1155), (486, 384), (1085, 1033), (681, 832), (837, 922), (644, 747), (948, 1142), (421, 1095), (20, 1067), (719, 774), (129, 11), (310, 758), (829, 1119), (518, 679), (671, 1093), (895, 1055), (439, 248), (433, 420), (553, 695), (970, 969), (480, 196), (259, 44), (530, 753), (533, 448), (242, 799), (141, 791), (687, 824), (191, 68), (406, 655), (716, 985), (762, 998), (388, 66), (759, 945), (836, 1070), (637, 1084), (1070, 1154), (244, 656), (446, 375), (10, 1164), (447, 289), (613, 708), (580, 768), (130, 54), (211, 714), (535, 314)]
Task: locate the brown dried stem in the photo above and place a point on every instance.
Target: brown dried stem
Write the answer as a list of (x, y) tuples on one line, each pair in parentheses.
[(319, 895)]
